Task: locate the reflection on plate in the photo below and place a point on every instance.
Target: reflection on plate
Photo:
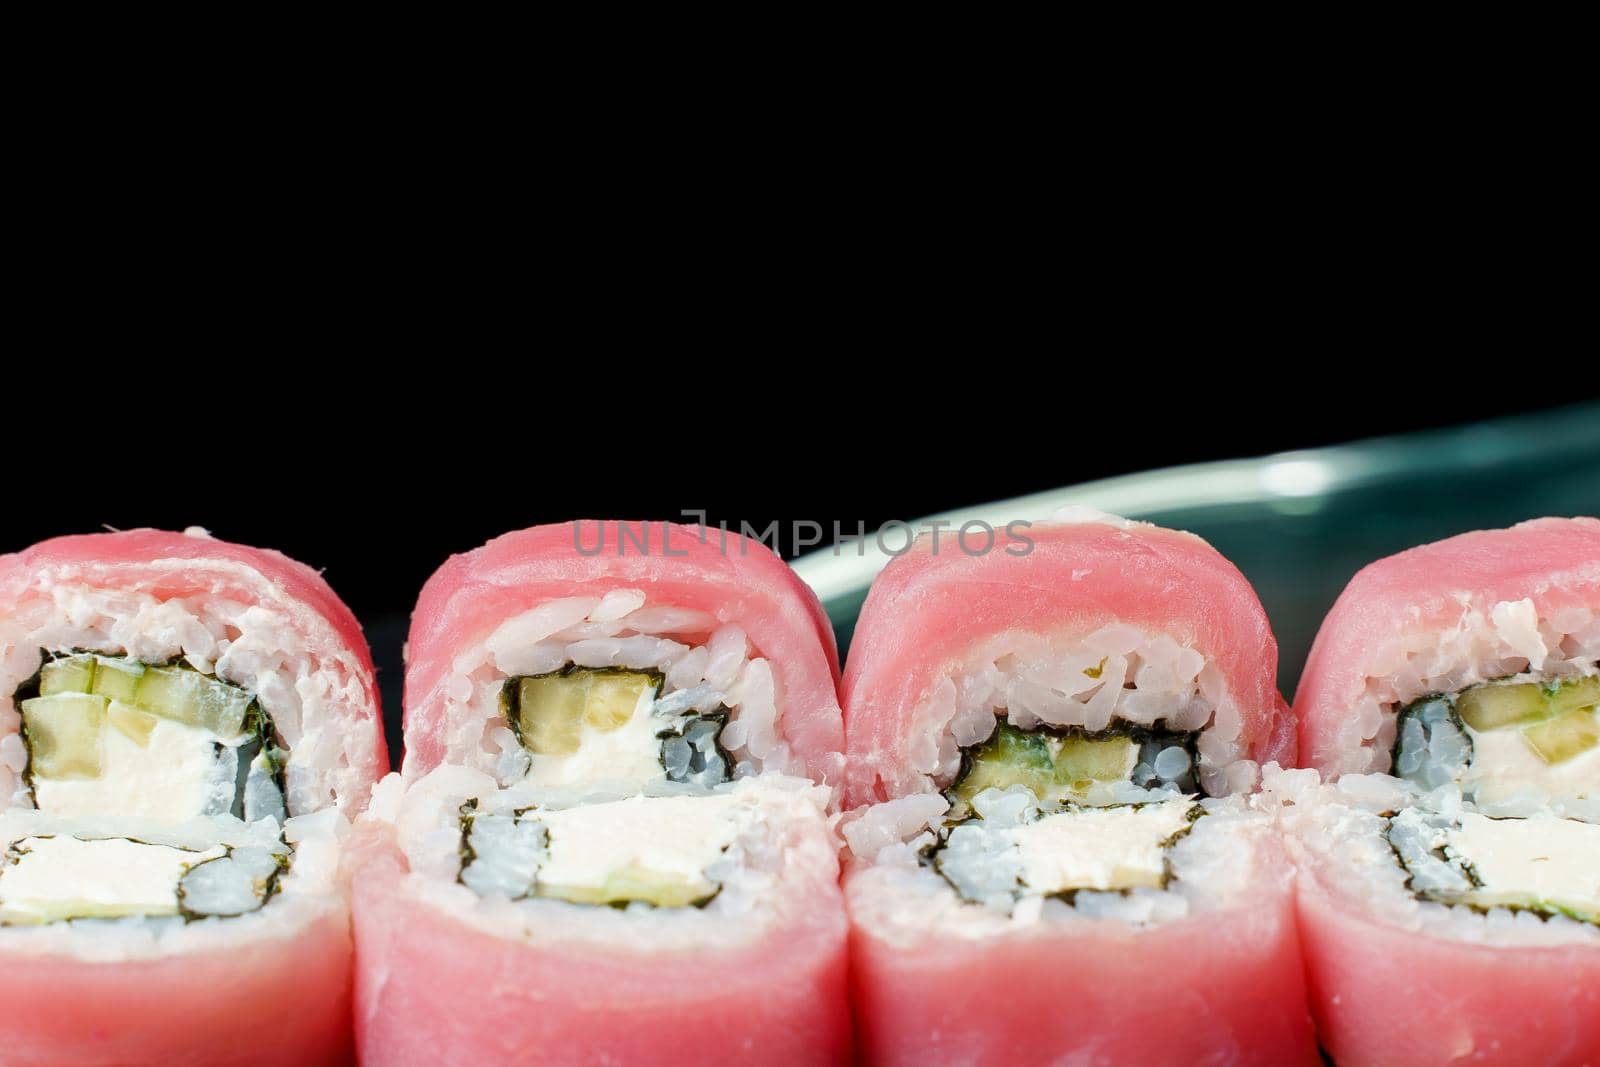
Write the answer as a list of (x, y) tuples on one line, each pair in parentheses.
[(1299, 524)]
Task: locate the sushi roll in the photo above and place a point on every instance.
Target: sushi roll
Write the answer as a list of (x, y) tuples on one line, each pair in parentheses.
[(1049, 746), (186, 728), (1474, 661), (611, 840), (1449, 897)]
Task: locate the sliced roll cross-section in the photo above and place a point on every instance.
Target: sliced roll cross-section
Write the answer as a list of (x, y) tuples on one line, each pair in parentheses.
[(1473, 662), (1452, 696), (1048, 745), (1519, 740), (1492, 923), (111, 734), (620, 769), (1539, 864), (583, 724), (186, 727), (54, 877)]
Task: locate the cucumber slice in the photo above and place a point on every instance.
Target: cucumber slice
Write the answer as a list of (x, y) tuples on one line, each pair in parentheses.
[(1491, 707), (224, 707), (1082, 760), (1014, 748), (1051, 766), (1574, 694), (552, 709), (172, 693), (136, 724), (190, 697), (1011, 757), (549, 715), (635, 883), (612, 699), (1562, 738), (63, 735), (117, 679), (73, 674)]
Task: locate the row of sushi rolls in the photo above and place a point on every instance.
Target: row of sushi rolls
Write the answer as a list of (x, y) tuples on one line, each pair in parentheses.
[(1053, 811)]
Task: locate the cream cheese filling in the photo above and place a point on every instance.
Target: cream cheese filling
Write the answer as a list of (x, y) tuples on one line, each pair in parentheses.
[(175, 772), (54, 878), (1542, 863), (1013, 850), (1114, 848), (657, 850), (655, 840), (1504, 765), (629, 753), (1535, 862)]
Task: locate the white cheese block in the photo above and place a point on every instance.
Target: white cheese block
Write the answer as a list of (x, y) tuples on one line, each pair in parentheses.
[(1543, 862), (66, 877), (662, 845), (1112, 848)]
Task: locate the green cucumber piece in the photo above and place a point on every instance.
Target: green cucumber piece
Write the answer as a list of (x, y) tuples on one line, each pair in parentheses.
[(63, 735), (118, 679), (1562, 738), (1083, 760), (1050, 765), (612, 698), (1492, 707), (1574, 694), (1498, 706), (634, 883), (224, 707), (1011, 757), (549, 715), (187, 696), (72, 674), (552, 709), (137, 725)]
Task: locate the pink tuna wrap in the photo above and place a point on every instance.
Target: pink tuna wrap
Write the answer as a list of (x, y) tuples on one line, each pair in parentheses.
[(1215, 989), (261, 1004), (1553, 562), (928, 608), (1384, 997), (265, 1001), (730, 578), (1397, 997), (173, 565), (432, 991)]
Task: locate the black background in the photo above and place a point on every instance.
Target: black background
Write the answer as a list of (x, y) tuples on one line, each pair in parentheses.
[(378, 506)]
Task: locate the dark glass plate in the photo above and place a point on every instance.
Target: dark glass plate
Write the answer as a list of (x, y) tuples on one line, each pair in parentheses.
[(1299, 524)]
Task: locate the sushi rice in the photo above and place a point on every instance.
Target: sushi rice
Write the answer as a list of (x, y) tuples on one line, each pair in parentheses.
[(187, 728), (770, 839), (704, 665), (1361, 839), (635, 810), (1503, 644), (288, 864), (607, 815)]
